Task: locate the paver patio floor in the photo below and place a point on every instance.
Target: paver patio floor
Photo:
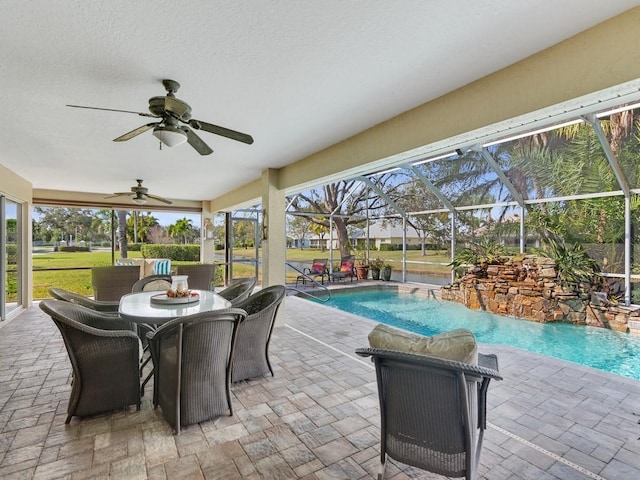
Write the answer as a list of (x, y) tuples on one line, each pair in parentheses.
[(317, 418)]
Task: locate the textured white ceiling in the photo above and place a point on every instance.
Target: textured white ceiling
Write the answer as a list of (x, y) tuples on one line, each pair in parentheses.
[(298, 76)]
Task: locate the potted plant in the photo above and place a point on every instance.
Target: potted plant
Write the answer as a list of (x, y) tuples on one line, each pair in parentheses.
[(362, 266), (375, 265), (386, 272)]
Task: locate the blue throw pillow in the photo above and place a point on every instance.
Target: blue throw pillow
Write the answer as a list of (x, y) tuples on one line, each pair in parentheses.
[(162, 267)]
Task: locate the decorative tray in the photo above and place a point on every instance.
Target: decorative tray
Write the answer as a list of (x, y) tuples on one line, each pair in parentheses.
[(162, 299)]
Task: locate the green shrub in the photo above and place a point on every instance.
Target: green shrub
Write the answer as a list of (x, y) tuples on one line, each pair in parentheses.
[(392, 247), (12, 254), (177, 253), (218, 280), (134, 247), (72, 248), (11, 285)]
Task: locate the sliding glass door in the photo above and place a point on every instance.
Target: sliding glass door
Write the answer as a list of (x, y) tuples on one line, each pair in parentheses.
[(10, 246)]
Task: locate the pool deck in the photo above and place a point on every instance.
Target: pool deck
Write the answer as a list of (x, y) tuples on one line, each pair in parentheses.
[(317, 418)]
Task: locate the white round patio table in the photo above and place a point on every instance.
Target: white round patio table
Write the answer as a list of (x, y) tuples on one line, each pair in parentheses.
[(137, 307)]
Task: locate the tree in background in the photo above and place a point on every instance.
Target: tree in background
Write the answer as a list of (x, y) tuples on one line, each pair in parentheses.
[(244, 232), (348, 201), (138, 226), (57, 223), (122, 233), (184, 229), (158, 234), (298, 228), (320, 231)]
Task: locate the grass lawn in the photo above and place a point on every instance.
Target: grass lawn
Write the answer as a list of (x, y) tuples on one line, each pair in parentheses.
[(79, 280), (392, 257)]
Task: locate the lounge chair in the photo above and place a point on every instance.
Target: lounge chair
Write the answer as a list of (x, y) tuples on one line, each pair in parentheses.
[(251, 354), (104, 352), (432, 410), (346, 270), (318, 269)]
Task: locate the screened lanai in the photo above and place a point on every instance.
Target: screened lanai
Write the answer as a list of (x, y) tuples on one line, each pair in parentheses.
[(573, 181)]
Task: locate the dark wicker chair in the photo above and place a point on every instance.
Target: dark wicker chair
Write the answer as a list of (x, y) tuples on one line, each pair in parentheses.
[(192, 362), (67, 296), (104, 352), (152, 282), (111, 283), (433, 411), (251, 354), (146, 284), (238, 290), (201, 276)]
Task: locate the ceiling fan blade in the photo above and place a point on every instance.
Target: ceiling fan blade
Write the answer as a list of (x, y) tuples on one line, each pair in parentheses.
[(196, 142), (155, 197), (121, 194), (136, 132), (142, 114), (225, 132)]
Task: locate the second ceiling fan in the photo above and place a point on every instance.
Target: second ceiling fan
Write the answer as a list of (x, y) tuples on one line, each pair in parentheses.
[(174, 116)]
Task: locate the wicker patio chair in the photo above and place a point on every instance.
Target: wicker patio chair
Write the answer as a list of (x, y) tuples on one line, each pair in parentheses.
[(251, 354), (152, 282), (238, 290), (67, 296), (146, 284), (111, 283), (201, 276), (104, 352), (192, 362), (432, 410)]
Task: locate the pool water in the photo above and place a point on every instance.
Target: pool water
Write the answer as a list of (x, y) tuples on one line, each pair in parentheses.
[(599, 348)]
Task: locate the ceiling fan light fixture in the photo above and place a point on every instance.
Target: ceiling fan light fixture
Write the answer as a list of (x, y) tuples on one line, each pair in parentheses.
[(140, 200), (169, 135)]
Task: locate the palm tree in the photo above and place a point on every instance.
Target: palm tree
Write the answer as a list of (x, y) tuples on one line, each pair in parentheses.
[(181, 228), (122, 232)]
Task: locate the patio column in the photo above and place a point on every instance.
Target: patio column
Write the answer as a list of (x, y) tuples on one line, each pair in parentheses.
[(207, 254), (273, 230)]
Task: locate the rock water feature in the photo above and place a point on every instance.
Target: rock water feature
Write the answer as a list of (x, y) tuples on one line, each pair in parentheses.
[(527, 287)]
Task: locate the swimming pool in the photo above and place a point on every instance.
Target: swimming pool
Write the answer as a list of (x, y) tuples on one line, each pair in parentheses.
[(595, 347)]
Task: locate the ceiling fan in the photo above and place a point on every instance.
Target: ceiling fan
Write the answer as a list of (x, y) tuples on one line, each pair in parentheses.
[(140, 194), (175, 119)]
